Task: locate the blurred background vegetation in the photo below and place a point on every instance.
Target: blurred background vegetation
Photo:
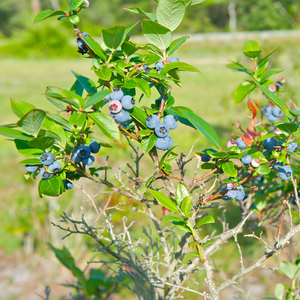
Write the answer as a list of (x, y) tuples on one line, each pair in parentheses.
[(32, 57)]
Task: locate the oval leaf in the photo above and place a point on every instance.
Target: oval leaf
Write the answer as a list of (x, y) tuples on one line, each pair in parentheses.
[(186, 204), (229, 168), (97, 98), (32, 121), (114, 37), (148, 143), (181, 193), (164, 201), (205, 220), (244, 89)]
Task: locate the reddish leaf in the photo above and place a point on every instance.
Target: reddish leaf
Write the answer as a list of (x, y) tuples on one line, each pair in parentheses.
[(165, 211)]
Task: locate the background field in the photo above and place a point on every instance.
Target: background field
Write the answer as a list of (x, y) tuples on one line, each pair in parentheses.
[(26, 264)]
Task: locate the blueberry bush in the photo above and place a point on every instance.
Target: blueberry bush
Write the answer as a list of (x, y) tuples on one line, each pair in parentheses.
[(257, 171)]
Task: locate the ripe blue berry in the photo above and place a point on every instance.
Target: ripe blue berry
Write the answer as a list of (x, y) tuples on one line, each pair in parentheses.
[(94, 146), (55, 167), (292, 147), (159, 66), (88, 161), (173, 59), (285, 172), (240, 143), (266, 110), (122, 116), (69, 184), (164, 143), (277, 165), (31, 168), (231, 194), (84, 151), (272, 118), (293, 200), (240, 195), (82, 48), (277, 112), (76, 158), (47, 159), (259, 178), (162, 130), (45, 174), (205, 157), (269, 144), (246, 159), (115, 106), (116, 95), (127, 102), (171, 121), (152, 121)]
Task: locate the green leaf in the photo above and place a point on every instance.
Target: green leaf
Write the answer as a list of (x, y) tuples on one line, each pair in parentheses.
[(96, 98), (163, 159), (77, 88), (164, 201), (30, 161), (263, 170), (260, 202), (179, 66), (279, 290), (152, 49), (289, 269), (148, 143), (251, 49), (157, 34), (42, 143), (270, 73), (61, 121), (244, 89), (104, 73), (139, 83), (176, 44), (229, 168), (170, 13), (51, 95), (130, 29), (95, 47), (60, 134), (138, 10), (263, 62), (14, 133), (75, 4), (139, 115), (288, 128), (275, 100), (201, 125), (23, 148), (50, 187), (238, 67), (87, 83), (20, 108), (182, 225), (107, 125), (45, 14), (114, 37), (172, 219), (32, 121), (186, 204), (205, 220), (128, 48), (181, 193), (194, 2), (70, 95)]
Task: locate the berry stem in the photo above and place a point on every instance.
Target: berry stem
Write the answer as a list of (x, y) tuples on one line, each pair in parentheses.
[(128, 133), (163, 101)]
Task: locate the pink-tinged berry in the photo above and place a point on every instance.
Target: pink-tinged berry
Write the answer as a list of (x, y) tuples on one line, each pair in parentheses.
[(282, 79), (115, 106), (231, 143), (272, 88), (255, 162)]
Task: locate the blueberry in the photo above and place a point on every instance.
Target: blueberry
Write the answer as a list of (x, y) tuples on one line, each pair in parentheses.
[(272, 118), (240, 143), (76, 158), (84, 151), (115, 106), (47, 159), (88, 161), (229, 186), (285, 172), (55, 167), (246, 159), (127, 102), (173, 59), (116, 95), (266, 110), (277, 112), (278, 84), (269, 144), (259, 178), (69, 184), (231, 194), (31, 168), (277, 165), (293, 199), (82, 48), (164, 143), (205, 157), (278, 144), (226, 198), (45, 174), (152, 121), (122, 116), (162, 130), (94, 146), (171, 121), (292, 147), (159, 66), (240, 195)]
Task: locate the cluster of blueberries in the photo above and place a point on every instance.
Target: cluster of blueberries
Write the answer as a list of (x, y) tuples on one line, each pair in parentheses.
[(82, 48), (272, 112), (119, 105), (160, 65), (83, 153), (234, 191), (164, 141)]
